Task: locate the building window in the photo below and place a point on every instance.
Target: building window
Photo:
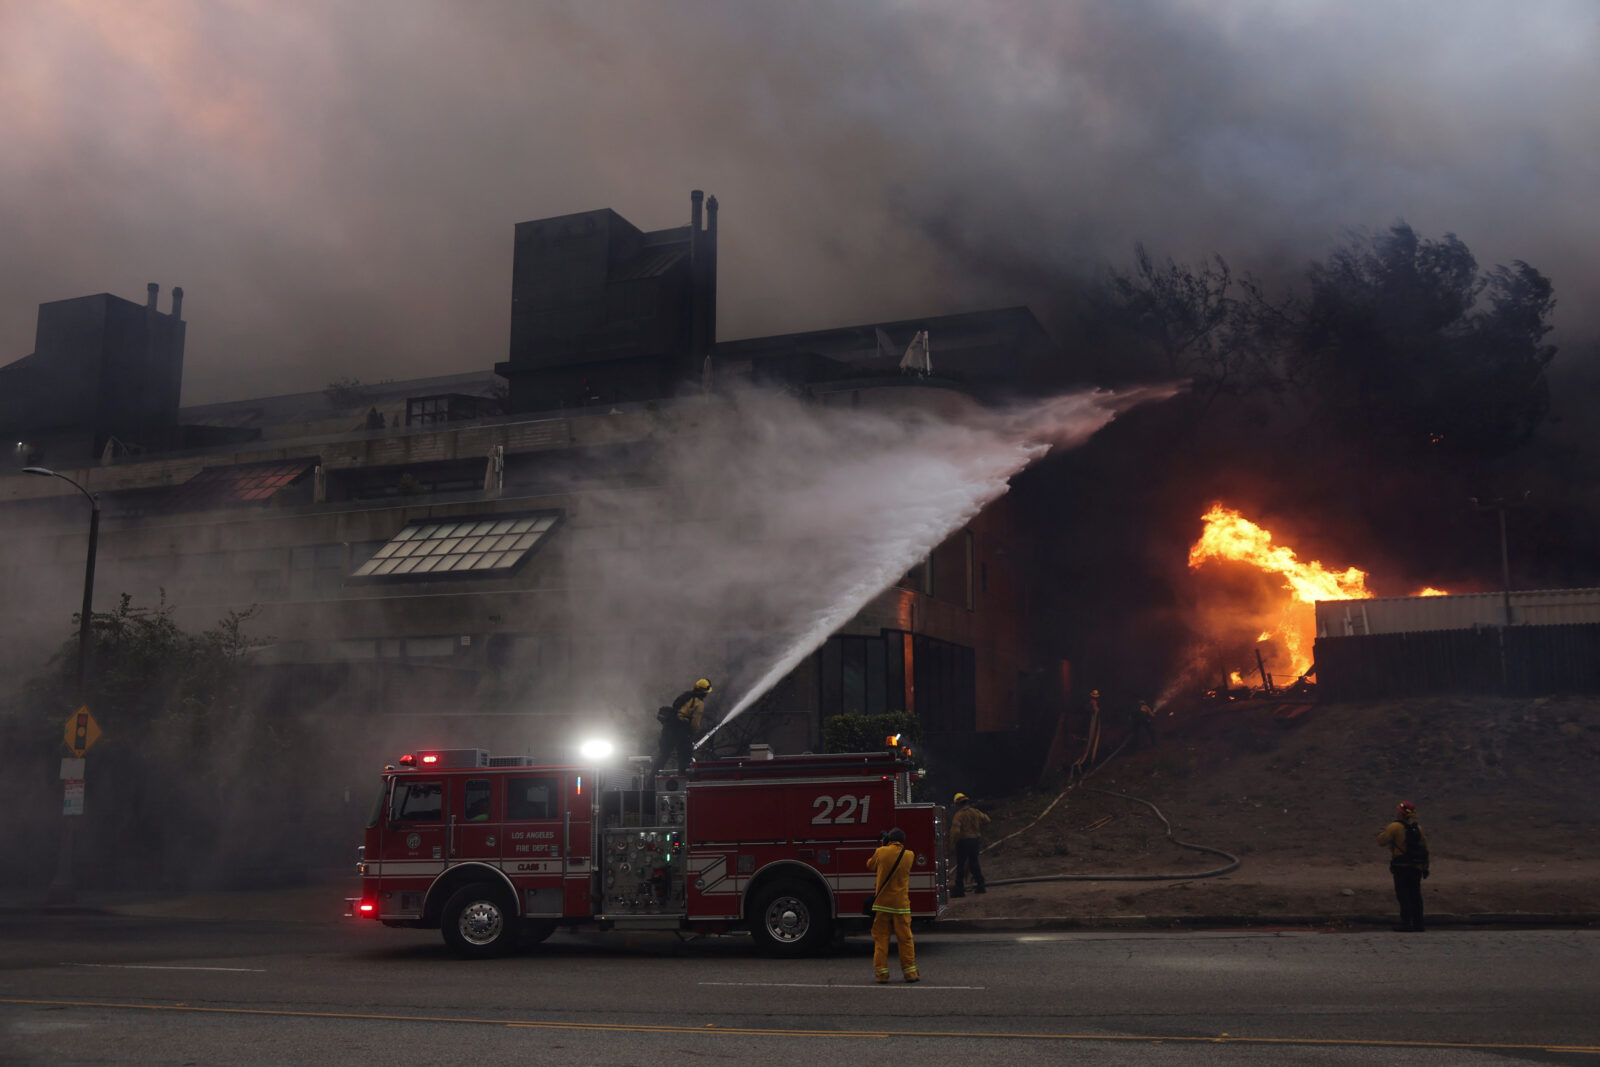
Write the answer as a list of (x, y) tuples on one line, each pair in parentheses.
[(449, 407), (482, 547), (853, 677), (944, 681), (898, 671), (972, 555), (920, 578)]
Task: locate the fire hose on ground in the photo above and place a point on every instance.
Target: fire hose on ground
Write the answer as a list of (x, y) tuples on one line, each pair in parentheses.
[(1079, 774), (1233, 861)]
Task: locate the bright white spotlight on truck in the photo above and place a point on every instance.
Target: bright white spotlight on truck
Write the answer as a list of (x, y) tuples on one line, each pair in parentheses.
[(596, 748)]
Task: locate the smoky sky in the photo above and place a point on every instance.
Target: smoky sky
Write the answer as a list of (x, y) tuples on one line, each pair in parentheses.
[(335, 184)]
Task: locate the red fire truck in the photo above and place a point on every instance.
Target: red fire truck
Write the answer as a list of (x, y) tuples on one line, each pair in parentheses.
[(497, 852)]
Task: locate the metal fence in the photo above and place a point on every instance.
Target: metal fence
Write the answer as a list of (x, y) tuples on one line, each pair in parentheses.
[(1515, 660)]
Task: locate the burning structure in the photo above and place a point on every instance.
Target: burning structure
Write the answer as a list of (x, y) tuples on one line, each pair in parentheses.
[(1328, 623), (1286, 612)]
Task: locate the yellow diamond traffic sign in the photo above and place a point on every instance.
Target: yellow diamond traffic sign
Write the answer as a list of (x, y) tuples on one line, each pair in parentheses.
[(82, 731)]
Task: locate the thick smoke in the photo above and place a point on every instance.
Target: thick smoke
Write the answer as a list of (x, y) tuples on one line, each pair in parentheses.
[(337, 190)]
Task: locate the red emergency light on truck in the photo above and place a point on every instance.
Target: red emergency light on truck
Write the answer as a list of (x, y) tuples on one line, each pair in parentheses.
[(496, 851)]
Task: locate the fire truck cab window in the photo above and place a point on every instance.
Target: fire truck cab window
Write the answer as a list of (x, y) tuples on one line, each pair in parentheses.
[(533, 798), (475, 807), (417, 802)]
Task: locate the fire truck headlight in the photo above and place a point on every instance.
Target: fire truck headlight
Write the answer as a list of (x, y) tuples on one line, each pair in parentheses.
[(596, 748)]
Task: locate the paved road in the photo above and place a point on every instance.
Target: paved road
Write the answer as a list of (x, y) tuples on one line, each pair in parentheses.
[(114, 989)]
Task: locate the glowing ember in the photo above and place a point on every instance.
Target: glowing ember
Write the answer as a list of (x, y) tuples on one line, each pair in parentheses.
[(1228, 535)]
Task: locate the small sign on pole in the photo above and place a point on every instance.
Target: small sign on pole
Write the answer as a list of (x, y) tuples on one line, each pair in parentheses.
[(72, 800), (72, 767), (81, 731)]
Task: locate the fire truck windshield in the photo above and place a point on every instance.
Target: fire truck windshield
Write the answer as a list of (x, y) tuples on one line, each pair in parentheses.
[(417, 802)]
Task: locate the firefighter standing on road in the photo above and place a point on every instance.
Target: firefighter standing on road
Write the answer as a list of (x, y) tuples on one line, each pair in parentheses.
[(679, 724), (1408, 863), (891, 905), (966, 840)]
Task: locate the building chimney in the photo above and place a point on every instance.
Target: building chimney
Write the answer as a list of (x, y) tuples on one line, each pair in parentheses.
[(177, 302), (151, 292), (697, 268), (709, 280)]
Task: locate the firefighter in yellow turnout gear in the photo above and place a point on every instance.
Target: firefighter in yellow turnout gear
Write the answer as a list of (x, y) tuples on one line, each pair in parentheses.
[(891, 905)]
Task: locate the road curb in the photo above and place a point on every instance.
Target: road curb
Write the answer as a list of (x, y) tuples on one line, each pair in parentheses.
[(1090, 923)]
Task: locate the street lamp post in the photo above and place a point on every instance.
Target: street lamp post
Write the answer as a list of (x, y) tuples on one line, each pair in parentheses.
[(61, 885), (1501, 505)]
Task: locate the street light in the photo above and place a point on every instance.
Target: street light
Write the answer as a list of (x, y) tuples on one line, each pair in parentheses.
[(88, 576), (61, 885), (1501, 505)]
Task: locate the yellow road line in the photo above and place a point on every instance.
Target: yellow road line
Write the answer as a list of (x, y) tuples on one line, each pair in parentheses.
[(712, 1028)]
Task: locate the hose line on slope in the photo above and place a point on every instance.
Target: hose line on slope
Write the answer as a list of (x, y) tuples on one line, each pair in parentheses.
[(1075, 778), (1233, 861), (1079, 775)]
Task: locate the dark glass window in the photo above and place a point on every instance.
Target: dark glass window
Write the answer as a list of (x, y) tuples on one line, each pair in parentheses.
[(855, 676), (475, 805), (876, 682), (533, 798), (945, 685), (417, 802)]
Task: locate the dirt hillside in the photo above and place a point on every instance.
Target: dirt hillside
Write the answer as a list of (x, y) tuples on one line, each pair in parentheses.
[(1506, 791)]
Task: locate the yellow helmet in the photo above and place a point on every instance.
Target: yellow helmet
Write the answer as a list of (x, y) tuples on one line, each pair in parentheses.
[(959, 797), (703, 684)]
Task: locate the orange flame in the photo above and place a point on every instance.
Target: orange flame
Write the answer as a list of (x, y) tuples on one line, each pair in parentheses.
[(1228, 535)]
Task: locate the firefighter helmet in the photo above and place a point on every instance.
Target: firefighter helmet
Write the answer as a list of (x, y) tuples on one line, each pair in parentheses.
[(959, 797), (1405, 808), (704, 685)]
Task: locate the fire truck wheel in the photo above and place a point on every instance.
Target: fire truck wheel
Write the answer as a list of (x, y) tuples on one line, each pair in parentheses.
[(477, 923), (787, 918)]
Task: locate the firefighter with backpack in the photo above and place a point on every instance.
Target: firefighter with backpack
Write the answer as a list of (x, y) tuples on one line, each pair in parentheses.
[(1408, 863), (679, 723)]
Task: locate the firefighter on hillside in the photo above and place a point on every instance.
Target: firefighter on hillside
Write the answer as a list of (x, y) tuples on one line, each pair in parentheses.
[(891, 905), (1144, 724), (679, 724), (966, 841), (1408, 863)]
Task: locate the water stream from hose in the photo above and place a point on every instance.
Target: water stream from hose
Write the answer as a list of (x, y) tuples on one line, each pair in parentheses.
[(921, 490)]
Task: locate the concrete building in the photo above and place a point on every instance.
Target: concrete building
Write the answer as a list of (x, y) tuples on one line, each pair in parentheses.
[(104, 378), (434, 553)]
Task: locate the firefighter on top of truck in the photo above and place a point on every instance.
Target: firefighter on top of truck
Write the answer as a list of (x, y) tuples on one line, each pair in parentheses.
[(679, 724), (891, 905)]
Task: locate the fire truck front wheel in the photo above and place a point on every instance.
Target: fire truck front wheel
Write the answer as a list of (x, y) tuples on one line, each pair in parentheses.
[(788, 918), (477, 922)]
